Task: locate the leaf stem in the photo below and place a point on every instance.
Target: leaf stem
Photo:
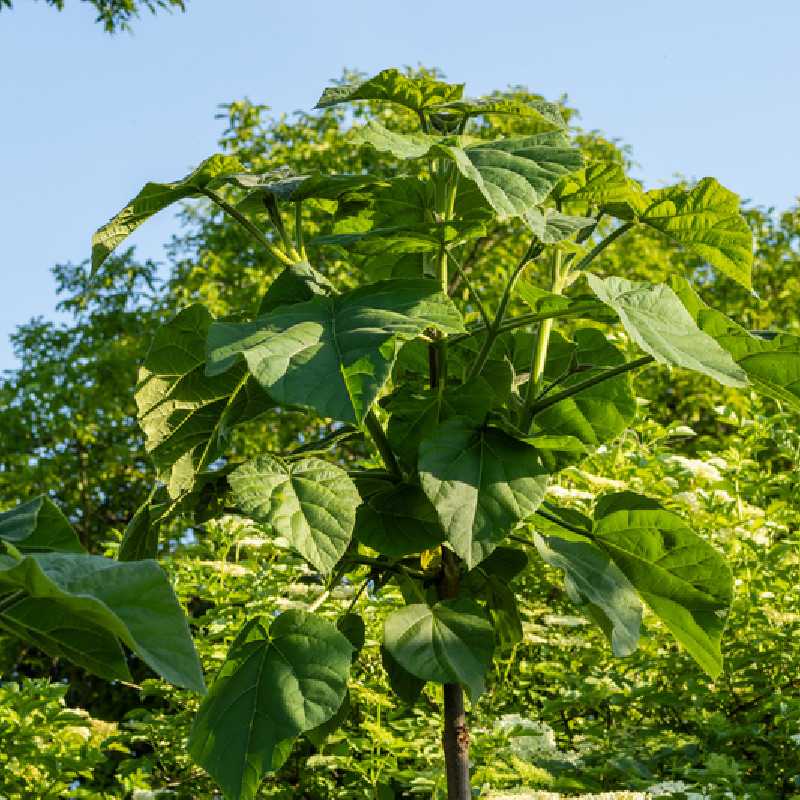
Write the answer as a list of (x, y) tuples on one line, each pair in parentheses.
[(366, 561), (298, 230), (12, 551), (382, 443), (539, 355), (472, 292), (10, 600), (248, 225), (319, 601), (493, 331), (601, 245), (576, 388)]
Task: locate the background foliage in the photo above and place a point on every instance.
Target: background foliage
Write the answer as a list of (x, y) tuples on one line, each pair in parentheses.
[(560, 713)]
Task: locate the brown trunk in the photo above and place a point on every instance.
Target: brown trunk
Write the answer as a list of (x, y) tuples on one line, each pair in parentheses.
[(455, 738), (456, 744)]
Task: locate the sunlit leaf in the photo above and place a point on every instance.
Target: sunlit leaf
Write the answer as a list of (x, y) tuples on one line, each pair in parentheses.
[(659, 323), (333, 354)]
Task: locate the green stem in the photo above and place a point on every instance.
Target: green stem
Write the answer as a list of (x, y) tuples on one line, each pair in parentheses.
[(446, 190), (576, 388), (248, 225), (601, 245), (298, 229), (515, 322), (366, 561), (382, 443), (494, 331), (472, 292), (539, 356), (9, 600), (12, 551)]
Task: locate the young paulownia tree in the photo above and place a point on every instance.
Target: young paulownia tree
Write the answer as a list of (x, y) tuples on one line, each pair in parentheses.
[(471, 410)]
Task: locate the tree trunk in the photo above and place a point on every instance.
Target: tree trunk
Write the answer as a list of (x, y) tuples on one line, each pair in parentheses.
[(455, 738), (456, 744)]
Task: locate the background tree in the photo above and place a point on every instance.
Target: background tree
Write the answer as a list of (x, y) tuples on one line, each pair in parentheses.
[(115, 15)]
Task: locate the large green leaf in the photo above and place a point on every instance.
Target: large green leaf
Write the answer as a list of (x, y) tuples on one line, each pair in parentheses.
[(415, 415), (38, 525), (76, 605), (400, 145), (540, 110), (391, 85), (706, 219), (185, 414), (603, 185), (683, 579), (659, 323), (515, 175), (551, 226), (398, 521), (594, 581), (284, 186), (482, 483), (451, 642), (600, 412), (295, 284), (406, 686), (772, 361), (153, 198), (275, 684), (309, 502), (512, 175), (333, 354)]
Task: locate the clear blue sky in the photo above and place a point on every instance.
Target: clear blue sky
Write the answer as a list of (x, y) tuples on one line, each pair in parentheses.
[(698, 87)]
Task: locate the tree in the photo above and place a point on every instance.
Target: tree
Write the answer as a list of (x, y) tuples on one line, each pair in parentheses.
[(464, 409), (116, 15), (67, 417)]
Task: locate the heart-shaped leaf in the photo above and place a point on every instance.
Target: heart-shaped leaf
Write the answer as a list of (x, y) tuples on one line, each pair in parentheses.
[(683, 579), (771, 361), (598, 413), (451, 642), (309, 502), (392, 86), (187, 415), (275, 684), (398, 521), (706, 219), (593, 579), (333, 354), (482, 483)]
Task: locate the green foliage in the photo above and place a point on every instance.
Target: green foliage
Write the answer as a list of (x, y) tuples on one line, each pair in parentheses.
[(116, 14), (372, 432), (275, 684)]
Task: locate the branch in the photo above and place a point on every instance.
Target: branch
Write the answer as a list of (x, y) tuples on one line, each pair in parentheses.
[(471, 289), (589, 382), (602, 244), (248, 225), (382, 443), (493, 331)]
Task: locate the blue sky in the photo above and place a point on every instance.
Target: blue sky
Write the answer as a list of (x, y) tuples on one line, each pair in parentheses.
[(698, 87)]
